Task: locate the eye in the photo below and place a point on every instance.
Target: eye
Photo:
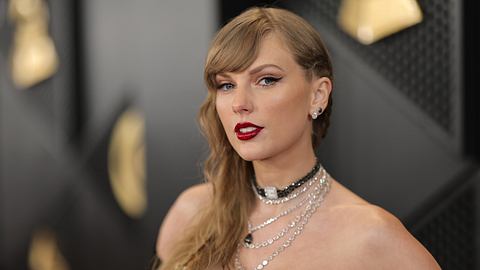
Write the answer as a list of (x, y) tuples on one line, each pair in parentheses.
[(267, 81), (225, 86)]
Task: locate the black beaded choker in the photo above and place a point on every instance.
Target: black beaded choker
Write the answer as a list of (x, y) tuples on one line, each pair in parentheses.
[(274, 193)]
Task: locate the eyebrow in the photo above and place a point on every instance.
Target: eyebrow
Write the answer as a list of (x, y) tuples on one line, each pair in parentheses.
[(253, 71), (259, 68)]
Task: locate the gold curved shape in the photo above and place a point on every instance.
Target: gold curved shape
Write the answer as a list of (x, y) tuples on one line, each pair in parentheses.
[(371, 20), (34, 57), (126, 163), (44, 253), (26, 9)]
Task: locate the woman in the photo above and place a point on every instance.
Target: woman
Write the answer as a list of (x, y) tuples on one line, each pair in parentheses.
[(267, 201)]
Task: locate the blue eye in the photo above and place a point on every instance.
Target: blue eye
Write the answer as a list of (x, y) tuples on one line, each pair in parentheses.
[(266, 81), (225, 86)]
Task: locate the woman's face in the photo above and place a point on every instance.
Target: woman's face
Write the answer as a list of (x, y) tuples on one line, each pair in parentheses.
[(265, 109)]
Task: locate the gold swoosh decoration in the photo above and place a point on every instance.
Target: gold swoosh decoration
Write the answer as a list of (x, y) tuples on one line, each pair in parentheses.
[(44, 253), (33, 57), (371, 20), (126, 163)]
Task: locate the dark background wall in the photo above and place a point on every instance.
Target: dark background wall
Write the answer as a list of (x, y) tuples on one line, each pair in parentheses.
[(55, 135), (403, 135)]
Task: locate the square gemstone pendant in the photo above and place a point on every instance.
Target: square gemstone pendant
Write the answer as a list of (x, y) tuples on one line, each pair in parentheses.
[(271, 193)]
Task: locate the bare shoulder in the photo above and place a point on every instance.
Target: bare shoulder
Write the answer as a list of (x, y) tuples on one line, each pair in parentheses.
[(369, 231), (391, 243), (380, 236), (180, 215)]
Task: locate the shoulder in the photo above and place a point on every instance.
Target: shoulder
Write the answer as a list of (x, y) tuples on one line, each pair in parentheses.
[(369, 231), (380, 236), (180, 215), (191, 200)]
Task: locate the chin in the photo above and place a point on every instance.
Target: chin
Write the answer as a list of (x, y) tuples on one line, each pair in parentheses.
[(247, 157), (251, 154)]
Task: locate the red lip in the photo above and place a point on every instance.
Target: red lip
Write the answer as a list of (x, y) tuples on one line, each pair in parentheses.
[(248, 135)]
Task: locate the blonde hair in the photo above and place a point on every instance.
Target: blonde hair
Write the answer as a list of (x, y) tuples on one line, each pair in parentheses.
[(213, 237)]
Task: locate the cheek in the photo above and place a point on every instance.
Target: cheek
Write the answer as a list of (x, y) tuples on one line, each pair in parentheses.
[(223, 111), (288, 109)]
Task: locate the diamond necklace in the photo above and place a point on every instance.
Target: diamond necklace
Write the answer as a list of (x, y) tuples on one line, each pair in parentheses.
[(317, 200), (284, 213), (291, 196), (249, 238), (311, 197)]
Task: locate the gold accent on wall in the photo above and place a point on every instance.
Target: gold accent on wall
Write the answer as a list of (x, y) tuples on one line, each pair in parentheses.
[(33, 57), (44, 253), (126, 163), (371, 20)]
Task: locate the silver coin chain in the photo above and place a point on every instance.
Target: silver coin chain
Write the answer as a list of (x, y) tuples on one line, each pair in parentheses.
[(310, 209)]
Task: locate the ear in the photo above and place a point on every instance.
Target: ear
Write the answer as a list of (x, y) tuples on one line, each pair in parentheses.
[(321, 90)]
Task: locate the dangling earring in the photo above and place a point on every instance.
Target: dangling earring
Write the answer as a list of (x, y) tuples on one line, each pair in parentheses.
[(316, 114)]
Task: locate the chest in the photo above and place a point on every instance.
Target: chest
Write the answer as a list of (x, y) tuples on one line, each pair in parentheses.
[(313, 248)]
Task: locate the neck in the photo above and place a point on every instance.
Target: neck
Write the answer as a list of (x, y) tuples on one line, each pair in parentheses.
[(282, 170)]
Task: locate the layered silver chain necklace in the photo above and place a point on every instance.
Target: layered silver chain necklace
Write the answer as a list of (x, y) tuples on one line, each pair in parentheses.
[(252, 228), (319, 186)]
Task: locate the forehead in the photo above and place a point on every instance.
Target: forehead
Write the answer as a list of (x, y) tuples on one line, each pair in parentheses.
[(273, 48), (272, 51)]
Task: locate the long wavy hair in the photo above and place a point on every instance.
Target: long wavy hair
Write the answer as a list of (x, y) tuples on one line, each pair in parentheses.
[(213, 237)]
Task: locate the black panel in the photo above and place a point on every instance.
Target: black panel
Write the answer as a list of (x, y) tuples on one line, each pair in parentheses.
[(450, 234), (471, 22), (76, 130), (230, 9), (417, 60)]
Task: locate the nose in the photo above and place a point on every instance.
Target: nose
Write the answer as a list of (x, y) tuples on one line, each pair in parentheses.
[(242, 101)]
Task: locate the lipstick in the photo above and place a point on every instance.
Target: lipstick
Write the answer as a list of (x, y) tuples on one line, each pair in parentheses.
[(246, 131)]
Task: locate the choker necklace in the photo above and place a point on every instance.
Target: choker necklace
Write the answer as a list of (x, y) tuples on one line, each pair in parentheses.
[(291, 196), (272, 193)]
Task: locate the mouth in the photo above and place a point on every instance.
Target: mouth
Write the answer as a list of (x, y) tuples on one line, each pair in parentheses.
[(246, 130)]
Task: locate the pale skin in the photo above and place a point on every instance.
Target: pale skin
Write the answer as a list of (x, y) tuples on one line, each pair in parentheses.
[(346, 232)]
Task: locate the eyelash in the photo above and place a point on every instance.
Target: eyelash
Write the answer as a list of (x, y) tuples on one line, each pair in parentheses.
[(272, 79)]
